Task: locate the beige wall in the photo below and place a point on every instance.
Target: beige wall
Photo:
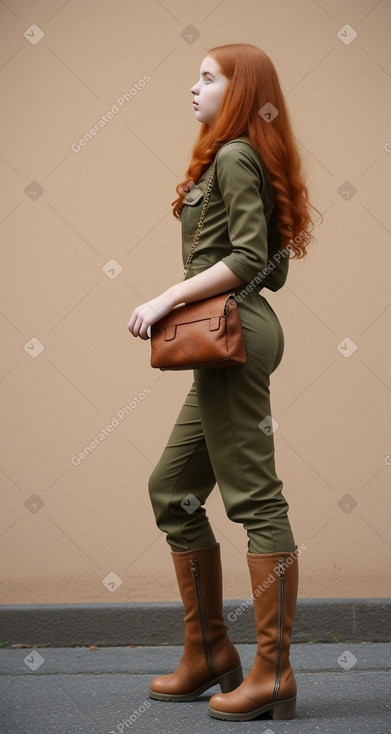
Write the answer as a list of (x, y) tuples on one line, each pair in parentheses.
[(64, 215)]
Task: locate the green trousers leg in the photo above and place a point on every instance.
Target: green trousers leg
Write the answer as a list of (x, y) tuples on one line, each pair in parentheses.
[(181, 482), (217, 438)]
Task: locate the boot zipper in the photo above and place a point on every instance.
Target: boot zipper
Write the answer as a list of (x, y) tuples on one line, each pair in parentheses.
[(203, 618), (281, 573)]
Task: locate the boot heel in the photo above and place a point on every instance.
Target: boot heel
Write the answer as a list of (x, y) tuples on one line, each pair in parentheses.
[(285, 709), (231, 680)]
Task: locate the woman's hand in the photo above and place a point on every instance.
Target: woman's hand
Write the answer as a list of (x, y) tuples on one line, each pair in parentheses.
[(149, 312)]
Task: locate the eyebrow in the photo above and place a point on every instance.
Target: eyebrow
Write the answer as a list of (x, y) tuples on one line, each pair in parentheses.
[(204, 73)]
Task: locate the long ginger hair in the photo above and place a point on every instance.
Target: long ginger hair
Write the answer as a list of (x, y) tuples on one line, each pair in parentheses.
[(253, 84)]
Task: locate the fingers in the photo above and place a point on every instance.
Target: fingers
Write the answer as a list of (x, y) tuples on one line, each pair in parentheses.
[(142, 332), (131, 324), (143, 336), (135, 328), (136, 321), (134, 324), (145, 315), (138, 326)]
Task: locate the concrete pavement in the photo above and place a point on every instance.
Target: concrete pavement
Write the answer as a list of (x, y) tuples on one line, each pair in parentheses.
[(343, 689)]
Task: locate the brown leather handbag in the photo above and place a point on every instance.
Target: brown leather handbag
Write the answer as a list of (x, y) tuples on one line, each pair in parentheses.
[(204, 334)]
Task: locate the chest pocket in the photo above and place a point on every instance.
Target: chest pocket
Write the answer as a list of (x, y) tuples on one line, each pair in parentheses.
[(191, 211)]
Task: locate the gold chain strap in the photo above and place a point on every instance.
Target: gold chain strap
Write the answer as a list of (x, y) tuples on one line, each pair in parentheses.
[(200, 222)]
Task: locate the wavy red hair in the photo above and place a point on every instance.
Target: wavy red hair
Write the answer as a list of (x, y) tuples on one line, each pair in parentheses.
[(253, 83)]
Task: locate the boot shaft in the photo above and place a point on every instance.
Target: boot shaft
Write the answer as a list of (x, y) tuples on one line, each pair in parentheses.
[(274, 583), (199, 577)]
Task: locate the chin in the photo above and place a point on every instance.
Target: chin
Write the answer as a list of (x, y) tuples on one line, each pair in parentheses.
[(201, 118)]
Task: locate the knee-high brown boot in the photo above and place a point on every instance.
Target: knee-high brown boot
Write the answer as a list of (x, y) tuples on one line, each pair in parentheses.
[(209, 657), (270, 685)]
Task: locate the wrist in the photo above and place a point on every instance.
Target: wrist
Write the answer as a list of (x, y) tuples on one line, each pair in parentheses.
[(175, 294)]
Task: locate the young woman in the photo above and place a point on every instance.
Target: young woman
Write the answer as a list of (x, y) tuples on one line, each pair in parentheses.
[(257, 216)]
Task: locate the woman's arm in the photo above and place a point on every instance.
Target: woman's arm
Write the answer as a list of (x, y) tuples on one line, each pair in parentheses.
[(216, 279)]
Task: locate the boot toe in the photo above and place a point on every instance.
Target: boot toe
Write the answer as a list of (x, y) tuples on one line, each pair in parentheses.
[(233, 703), (175, 685), (160, 684), (222, 702)]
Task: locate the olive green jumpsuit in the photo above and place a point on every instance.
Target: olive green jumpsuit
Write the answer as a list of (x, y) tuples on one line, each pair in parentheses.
[(217, 437)]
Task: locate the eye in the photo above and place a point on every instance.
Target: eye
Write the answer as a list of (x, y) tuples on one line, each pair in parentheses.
[(207, 79)]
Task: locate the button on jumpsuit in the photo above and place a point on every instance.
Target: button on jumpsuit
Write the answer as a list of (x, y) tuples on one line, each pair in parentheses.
[(217, 437)]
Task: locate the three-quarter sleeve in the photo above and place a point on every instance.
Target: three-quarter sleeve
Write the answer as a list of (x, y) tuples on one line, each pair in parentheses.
[(240, 181), (277, 272)]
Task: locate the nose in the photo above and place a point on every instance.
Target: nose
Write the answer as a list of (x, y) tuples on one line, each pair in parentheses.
[(194, 89)]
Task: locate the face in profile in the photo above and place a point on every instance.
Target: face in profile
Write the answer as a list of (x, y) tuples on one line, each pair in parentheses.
[(208, 91)]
